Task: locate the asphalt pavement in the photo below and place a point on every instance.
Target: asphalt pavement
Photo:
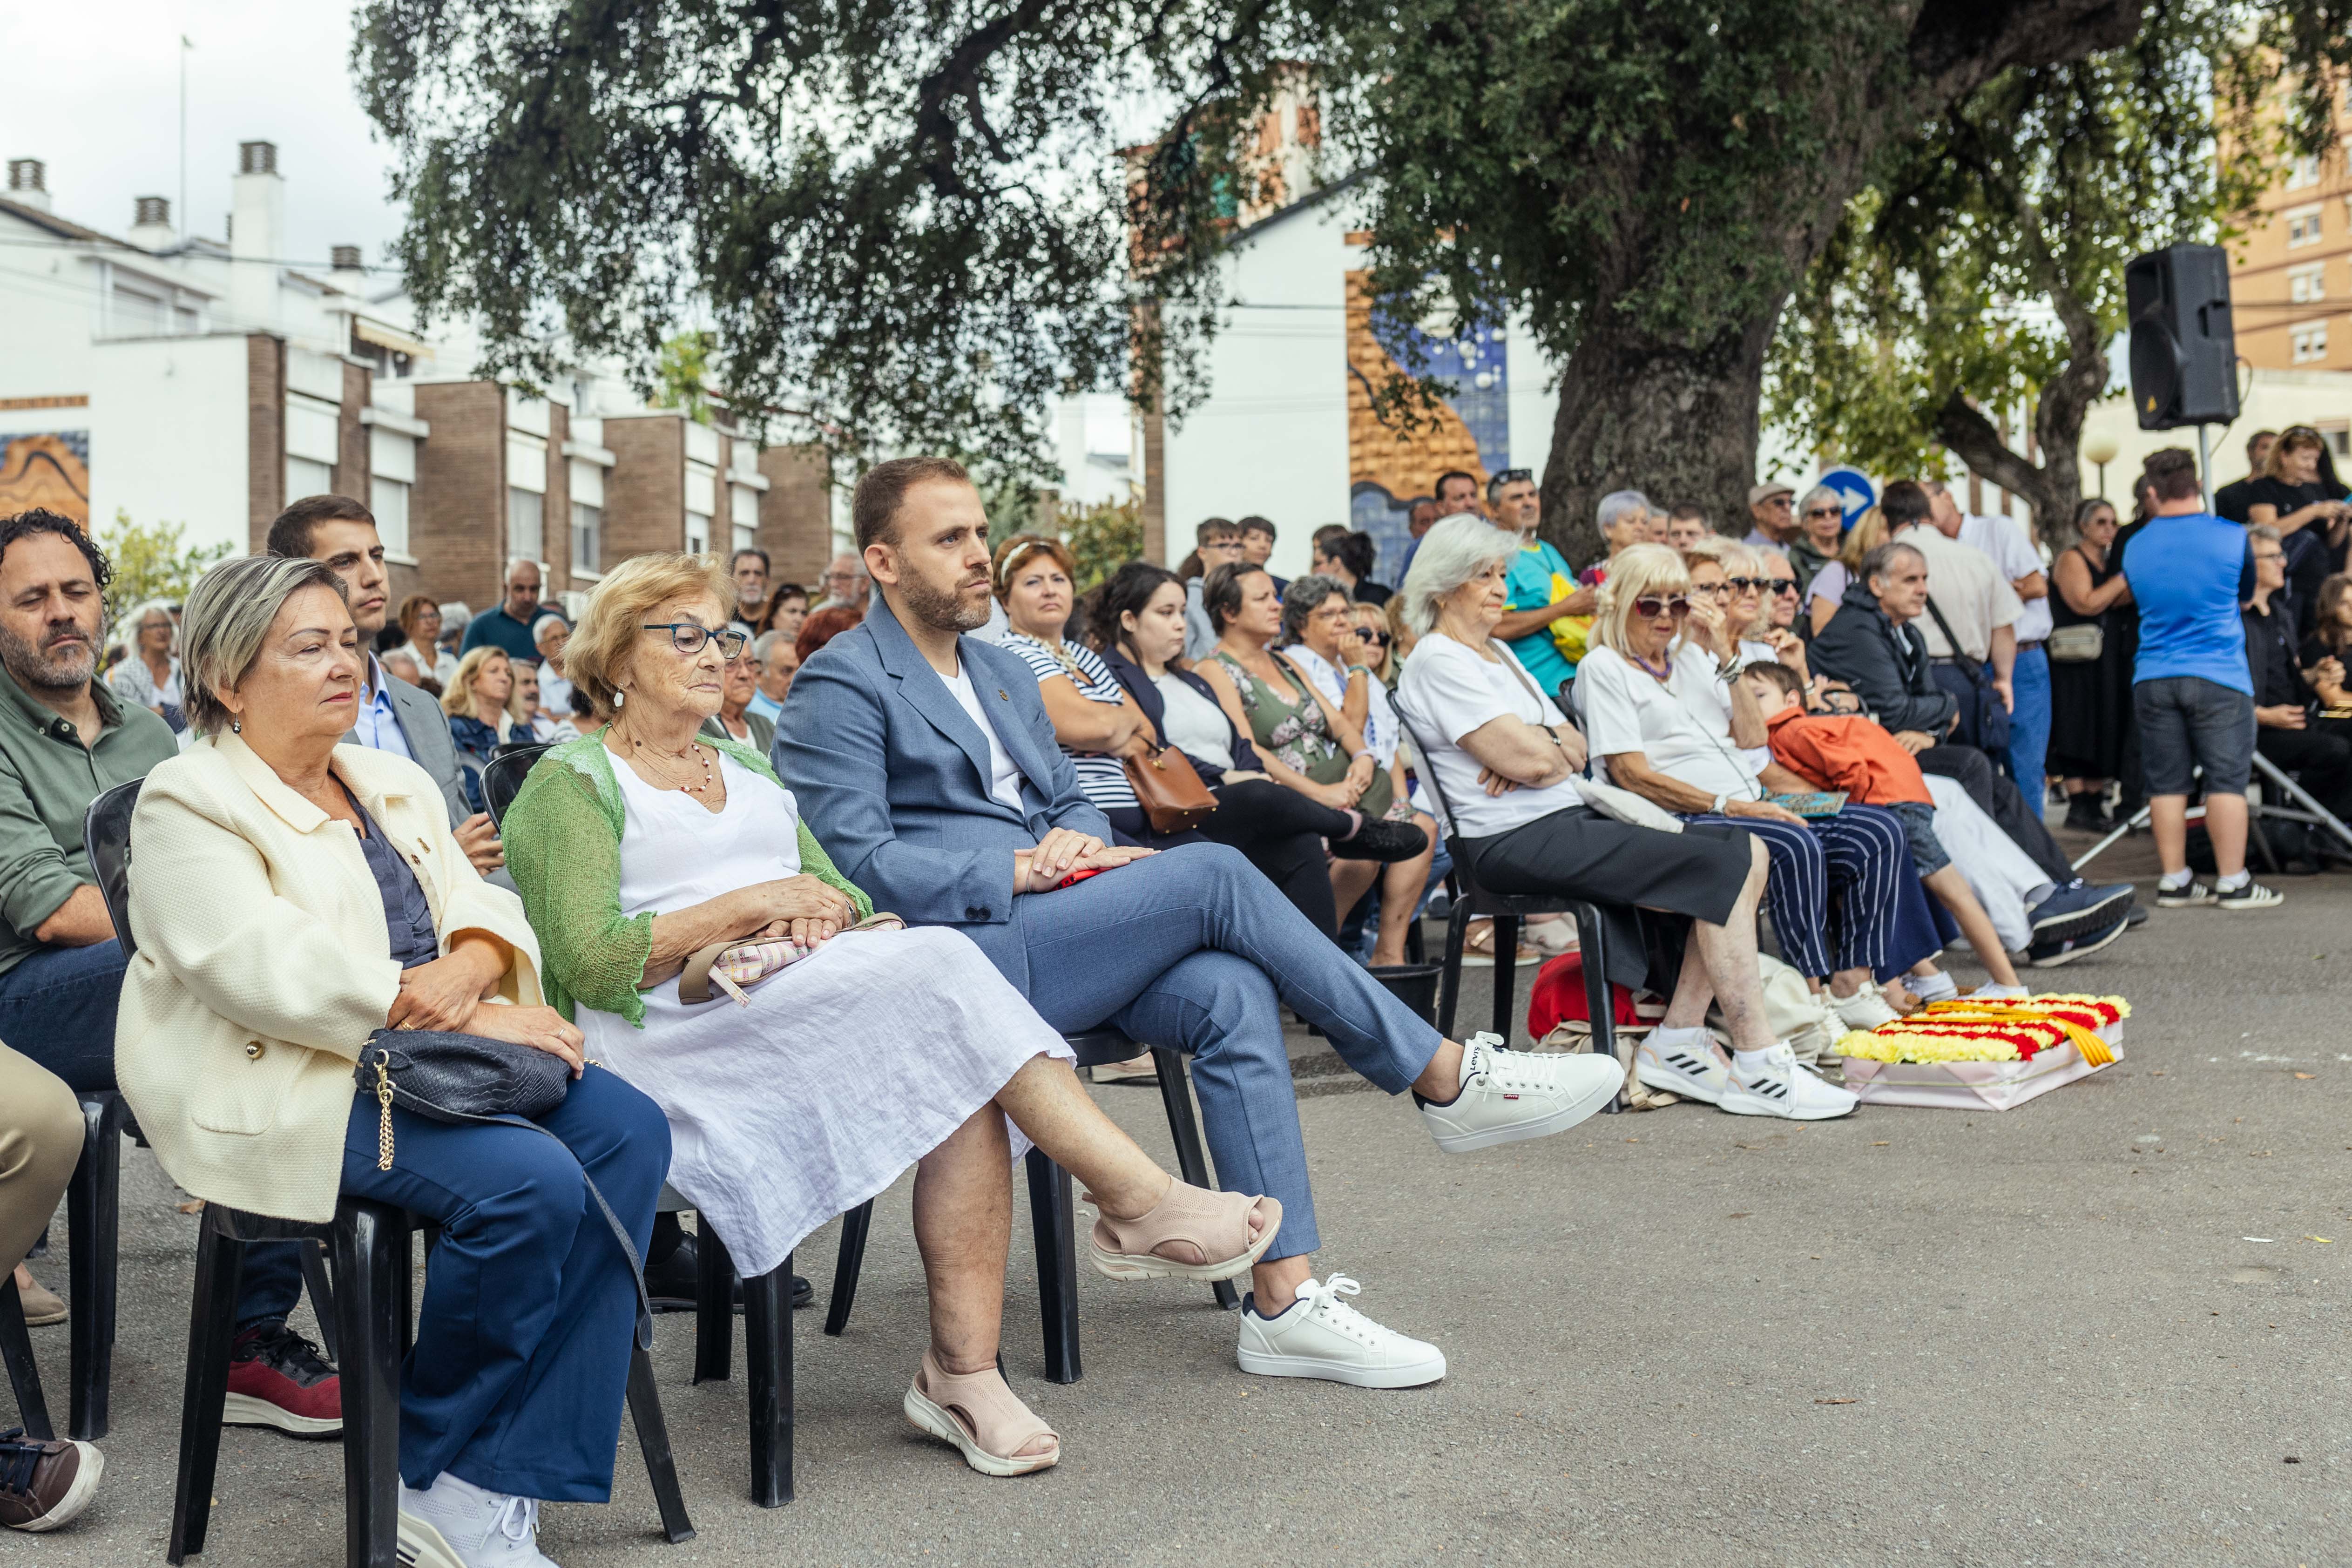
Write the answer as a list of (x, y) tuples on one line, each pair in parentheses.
[(2106, 1327)]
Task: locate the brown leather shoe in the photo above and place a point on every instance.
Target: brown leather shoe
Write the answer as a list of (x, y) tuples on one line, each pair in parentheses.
[(44, 1485)]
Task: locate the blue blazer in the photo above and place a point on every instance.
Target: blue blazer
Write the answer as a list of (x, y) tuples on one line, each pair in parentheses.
[(892, 776)]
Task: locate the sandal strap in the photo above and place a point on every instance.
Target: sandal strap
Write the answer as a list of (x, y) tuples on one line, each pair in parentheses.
[(985, 1407), (1216, 1224)]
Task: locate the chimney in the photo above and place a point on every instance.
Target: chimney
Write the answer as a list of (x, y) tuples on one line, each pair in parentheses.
[(256, 235), (350, 273), (28, 182), (151, 225)]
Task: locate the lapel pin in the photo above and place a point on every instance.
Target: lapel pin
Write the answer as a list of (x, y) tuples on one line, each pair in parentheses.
[(1002, 695)]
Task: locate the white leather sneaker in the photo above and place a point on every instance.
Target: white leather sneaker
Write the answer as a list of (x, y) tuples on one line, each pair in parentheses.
[(454, 1524), (1690, 1066), (1786, 1088), (1319, 1335), (1865, 1009), (1509, 1095)]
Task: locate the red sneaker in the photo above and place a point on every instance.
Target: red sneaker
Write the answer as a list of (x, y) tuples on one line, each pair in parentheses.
[(278, 1378)]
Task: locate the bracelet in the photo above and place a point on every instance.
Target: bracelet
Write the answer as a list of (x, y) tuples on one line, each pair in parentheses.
[(1359, 757)]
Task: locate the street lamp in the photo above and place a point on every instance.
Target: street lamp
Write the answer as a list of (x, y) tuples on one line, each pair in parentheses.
[(2101, 449)]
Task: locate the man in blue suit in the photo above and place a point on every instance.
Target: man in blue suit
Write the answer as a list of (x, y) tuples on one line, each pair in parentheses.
[(924, 761)]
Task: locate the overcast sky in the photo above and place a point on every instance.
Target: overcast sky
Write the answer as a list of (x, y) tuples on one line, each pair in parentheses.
[(94, 93)]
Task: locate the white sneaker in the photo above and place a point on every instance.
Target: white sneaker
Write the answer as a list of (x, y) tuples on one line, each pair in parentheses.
[(1318, 1335), (1865, 1009), (1687, 1067), (1510, 1095), (454, 1524), (1786, 1088)]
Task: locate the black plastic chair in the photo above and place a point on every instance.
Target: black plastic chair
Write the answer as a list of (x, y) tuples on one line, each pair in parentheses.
[(1469, 901), (368, 1305), (93, 1213), (502, 776)]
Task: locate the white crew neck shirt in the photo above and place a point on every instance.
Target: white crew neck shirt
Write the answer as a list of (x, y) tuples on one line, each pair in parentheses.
[(1003, 778)]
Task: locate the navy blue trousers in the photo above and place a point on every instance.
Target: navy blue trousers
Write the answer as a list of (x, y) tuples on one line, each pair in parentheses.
[(1843, 892), (523, 1341)]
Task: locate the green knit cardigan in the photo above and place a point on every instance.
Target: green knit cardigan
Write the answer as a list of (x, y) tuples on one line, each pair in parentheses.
[(563, 837)]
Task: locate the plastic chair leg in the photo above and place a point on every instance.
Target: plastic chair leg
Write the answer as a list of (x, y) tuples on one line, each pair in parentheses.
[(93, 1211), (1051, 1216), (24, 1373), (846, 1265), (322, 1297), (653, 1442), (1184, 1128), (1507, 973), (1449, 974), (372, 1268), (212, 1322), (714, 1306), (1590, 943), (768, 1358)]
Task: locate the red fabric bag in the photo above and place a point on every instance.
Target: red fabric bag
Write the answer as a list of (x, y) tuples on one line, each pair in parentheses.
[(1559, 996)]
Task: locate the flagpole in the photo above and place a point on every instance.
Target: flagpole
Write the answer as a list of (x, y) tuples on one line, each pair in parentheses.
[(187, 219)]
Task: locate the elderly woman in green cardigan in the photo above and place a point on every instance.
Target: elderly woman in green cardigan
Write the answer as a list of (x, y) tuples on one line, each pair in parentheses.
[(641, 847)]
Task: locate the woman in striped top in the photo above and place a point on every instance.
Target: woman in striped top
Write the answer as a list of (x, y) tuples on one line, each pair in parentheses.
[(1094, 718)]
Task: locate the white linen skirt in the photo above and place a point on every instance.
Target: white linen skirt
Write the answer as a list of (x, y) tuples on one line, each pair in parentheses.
[(847, 1067)]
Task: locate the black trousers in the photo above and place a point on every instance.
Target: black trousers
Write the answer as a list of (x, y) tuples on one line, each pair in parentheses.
[(1277, 830), (2001, 800), (2321, 755)]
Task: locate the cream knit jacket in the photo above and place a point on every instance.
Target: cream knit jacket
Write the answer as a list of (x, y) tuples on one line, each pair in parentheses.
[(264, 964)]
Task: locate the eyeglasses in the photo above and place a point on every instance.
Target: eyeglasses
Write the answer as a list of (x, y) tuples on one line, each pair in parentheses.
[(1651, 607), (687, 637), (1366, 634)]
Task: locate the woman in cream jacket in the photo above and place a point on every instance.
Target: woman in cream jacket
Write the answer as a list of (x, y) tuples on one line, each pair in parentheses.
[(292, 896)]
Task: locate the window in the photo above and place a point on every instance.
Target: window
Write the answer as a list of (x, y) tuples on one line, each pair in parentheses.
[(2337, 433), (2304, 284), (388, 498), (697, 533), (587, 538), (746, 538), (305, 478), (2309, 342), (2303, 226), (137, 315), (2304, 171), (526, 533)]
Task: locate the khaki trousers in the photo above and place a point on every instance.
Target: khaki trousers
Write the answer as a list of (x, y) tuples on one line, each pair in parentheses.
[(40, 1143)]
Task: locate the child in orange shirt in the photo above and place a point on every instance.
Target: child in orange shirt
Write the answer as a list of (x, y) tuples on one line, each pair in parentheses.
[(1852, 754)]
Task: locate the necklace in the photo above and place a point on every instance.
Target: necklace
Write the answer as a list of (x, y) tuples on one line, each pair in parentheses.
[(1665, 672), (687, 759)]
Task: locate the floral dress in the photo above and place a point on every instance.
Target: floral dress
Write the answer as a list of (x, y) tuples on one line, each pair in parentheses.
[(1293, 729)]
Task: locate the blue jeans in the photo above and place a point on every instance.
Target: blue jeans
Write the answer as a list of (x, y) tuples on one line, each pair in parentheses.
[(1193, 949), (2029, 724), (522, 1345), (58, 1007)]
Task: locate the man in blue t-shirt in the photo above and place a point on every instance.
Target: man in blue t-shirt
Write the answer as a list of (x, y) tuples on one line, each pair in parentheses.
[(2191, 689), (1541, 587)]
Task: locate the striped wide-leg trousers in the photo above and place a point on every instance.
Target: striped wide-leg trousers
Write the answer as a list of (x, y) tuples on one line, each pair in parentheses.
[(1839, 889)]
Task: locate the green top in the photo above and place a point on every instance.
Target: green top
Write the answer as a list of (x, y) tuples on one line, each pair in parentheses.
[(1295, 732), (563, 837), (47, 779)]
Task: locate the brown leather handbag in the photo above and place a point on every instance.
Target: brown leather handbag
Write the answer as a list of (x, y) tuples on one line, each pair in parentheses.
[(1170, 793)]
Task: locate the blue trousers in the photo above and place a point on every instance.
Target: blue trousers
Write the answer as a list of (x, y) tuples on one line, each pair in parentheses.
[(1842, 892), (1193, 949), (523, 1341), (58, 1007), (2029, 725)]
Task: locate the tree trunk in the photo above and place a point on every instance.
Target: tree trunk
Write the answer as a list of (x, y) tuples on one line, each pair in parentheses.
[(1675, 422)]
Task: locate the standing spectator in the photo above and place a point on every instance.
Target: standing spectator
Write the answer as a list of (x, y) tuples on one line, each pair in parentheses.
[(749, 569), (1771, 508), (788, 607), (2193, 692), (2000, 541), (65, 739), (1624, 519), (479, 722), (1966, 592), (1216, 541), (1094, 720), (1347, 555), (420, 618), (1547, 612), (2299, 494), (151, 674), (2090, 698), (2232, 500), (456, 617), (1687, 525), (553, 633), (509, 626), (846, 585), (1457, 492), (392, 715), (1418, 522), (1821, 529), (527, 719), (1257, 546), (773, 661), (2283, 729)]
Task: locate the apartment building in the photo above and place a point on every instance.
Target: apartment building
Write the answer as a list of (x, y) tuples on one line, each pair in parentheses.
[(2291, 272)]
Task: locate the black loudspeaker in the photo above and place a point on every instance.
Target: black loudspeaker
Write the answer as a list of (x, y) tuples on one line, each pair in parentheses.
[(2184, 354)]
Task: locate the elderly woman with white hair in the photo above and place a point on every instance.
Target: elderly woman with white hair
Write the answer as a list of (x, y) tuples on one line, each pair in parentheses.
[(1667, 723), (150, 674), (1625, 519), (1821, 528), (1507, 762)]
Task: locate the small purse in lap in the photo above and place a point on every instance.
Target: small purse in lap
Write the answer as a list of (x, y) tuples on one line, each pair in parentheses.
[(735, 966)]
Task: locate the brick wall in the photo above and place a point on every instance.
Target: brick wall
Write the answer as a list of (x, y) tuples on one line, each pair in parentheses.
[(265, 436), (645, 490), (458, 512), (796, 513)]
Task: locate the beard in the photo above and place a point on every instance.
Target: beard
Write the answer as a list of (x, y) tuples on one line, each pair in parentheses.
[(44, 665), (952, 610)]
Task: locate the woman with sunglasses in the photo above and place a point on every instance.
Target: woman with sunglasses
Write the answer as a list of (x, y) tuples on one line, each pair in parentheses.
[(1667, 723), (1820, 525)]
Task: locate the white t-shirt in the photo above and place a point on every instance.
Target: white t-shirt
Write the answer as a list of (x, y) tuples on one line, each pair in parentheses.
[(2013, 554), (1381, 730), (1194, 725), (1003, 778), (1831, 583), (1968, 587), (1626, 709), (1449, 692)]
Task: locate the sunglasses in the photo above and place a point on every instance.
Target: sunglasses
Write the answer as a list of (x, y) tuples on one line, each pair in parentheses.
[(1366, 634), (1650, 607), (1510, 477), (1750, 584), (1824, 511)]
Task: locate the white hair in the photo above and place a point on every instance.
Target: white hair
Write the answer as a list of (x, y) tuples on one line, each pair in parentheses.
[(1454, 550), (1836, 497), (1617, 504)]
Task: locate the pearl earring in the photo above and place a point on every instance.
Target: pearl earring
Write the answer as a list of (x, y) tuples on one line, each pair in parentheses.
[(236, 726)]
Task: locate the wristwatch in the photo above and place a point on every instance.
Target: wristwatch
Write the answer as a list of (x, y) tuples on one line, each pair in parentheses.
[(1720, 802)]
